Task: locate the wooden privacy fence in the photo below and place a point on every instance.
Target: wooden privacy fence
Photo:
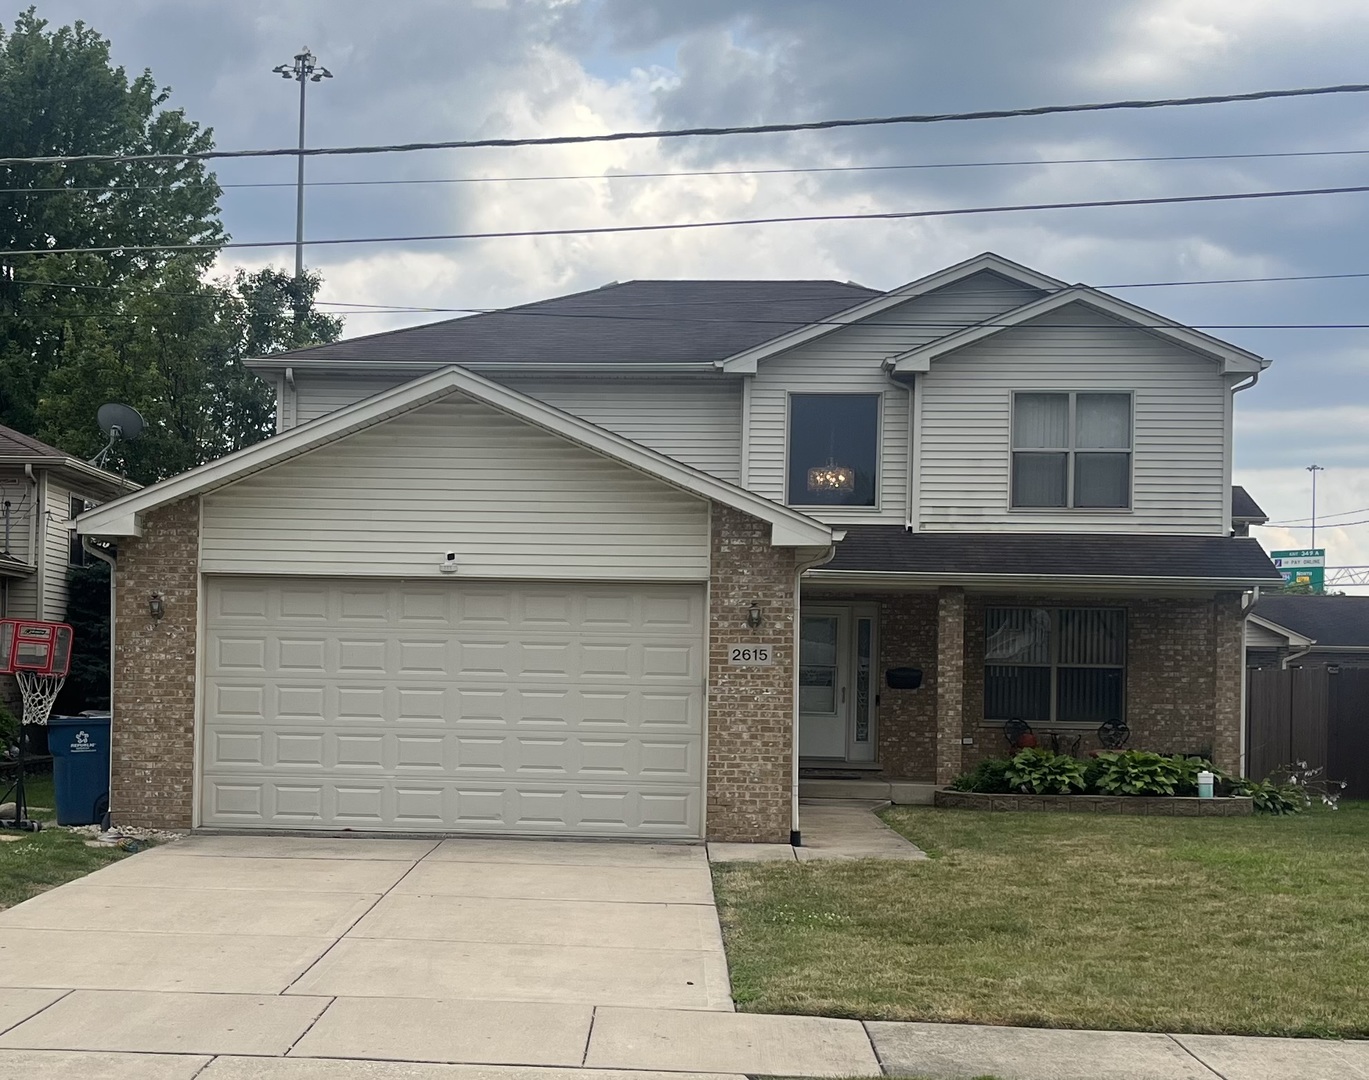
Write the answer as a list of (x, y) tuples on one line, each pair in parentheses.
[(1310, 714)]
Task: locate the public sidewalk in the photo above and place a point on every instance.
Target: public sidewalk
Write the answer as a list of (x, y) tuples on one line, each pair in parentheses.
[(104, 1035)]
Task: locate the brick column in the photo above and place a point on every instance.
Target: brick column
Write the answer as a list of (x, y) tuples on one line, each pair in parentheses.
[(750, 709), (153, 733), (1228, 667), (950, 682)]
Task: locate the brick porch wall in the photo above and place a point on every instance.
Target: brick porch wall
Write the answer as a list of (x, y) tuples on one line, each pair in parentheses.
[(153, 733), (750, 709)]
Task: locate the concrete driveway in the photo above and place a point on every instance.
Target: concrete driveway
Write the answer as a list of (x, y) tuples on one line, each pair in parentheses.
[(458, 950)]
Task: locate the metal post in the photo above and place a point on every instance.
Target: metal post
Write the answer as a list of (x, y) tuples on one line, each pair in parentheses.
[(304, 70), (1314, 469)]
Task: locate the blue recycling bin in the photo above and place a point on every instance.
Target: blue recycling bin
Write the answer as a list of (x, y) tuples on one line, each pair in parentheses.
[(80, 768)]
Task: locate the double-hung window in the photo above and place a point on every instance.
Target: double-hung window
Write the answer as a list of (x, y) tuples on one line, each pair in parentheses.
[(1071, 451), (1055, 665)]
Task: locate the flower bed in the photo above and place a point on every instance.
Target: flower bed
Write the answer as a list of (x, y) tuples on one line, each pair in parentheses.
[(1136, 805)]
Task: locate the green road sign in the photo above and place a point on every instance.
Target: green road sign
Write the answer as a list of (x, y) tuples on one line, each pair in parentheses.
[(1304, 567)]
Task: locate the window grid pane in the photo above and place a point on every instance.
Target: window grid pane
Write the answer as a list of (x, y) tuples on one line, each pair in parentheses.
[(1102, 480), (1041, 422), (1040, 479), (1102, 421), (1077, 655)]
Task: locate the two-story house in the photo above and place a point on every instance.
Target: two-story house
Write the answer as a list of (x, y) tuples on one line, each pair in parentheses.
[(626, 562), (42, 492)]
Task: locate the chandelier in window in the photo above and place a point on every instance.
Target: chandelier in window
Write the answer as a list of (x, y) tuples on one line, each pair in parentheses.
[(831, 477)]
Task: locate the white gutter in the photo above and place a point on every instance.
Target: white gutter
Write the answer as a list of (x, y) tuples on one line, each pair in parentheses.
[(1283, 664), (105, 557), (795, 835), (365, 366), (1049, 581)]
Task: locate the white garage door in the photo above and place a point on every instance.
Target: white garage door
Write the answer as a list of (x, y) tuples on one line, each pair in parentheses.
[(453, 706)]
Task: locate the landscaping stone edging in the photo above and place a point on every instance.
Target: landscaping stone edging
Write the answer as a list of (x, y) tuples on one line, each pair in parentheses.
[(1134, 805)]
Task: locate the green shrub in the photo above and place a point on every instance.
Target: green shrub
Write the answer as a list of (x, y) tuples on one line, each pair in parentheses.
[(1138, 772), (1272, 797), (989, 777), (1040, 772)]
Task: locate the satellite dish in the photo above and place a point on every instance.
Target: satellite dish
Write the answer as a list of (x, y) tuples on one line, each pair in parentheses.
[(119, 423)]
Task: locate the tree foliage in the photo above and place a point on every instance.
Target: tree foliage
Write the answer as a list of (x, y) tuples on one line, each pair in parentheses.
[(147, 328)]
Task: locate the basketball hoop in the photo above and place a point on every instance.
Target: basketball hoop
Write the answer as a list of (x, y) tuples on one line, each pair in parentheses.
[(39, 692), (38, 654)]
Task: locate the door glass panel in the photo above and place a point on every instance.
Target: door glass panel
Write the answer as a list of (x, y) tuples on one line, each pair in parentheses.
[(818, 663), (864, 637)]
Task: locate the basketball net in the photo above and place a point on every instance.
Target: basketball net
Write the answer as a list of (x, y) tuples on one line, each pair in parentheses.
[(39, 692)]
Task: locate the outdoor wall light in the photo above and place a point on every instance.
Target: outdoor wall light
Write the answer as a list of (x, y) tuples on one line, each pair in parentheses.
[(156, 605), (753, 617)]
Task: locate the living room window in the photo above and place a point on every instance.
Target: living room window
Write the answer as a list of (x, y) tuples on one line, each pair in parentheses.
[(1071, 451), (1055, 665), (833, 450)]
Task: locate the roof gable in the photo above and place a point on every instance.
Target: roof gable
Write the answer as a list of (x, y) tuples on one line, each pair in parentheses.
[(1330, 621), (1232, 358), (745, 362), (121, 517)]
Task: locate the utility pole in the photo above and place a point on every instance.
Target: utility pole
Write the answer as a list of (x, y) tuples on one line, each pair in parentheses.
[(305, 70), (1314, 469)]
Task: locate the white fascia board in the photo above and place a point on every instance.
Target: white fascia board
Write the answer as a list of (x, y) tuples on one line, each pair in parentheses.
[(1232, 358), (1046, 582), (75, 469), (362, 366), (790, 528), (745, 362), (1294, 638)]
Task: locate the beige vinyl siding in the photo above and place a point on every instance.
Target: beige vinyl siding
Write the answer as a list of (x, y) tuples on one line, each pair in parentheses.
[(513, 501), (1179, 480), (22, 597), (1260, 637), (695, 421), (851, 360), (56, 528), (318, 395)]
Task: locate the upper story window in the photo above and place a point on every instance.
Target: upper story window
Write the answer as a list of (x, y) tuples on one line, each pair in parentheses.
[(1071, 450), (833, 450)]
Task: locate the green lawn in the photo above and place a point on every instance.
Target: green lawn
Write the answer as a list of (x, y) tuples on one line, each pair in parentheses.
[(1252, 926), (37, 862)]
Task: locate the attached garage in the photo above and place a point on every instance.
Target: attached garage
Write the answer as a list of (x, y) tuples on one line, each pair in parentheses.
[(454, 609), (473, 707)]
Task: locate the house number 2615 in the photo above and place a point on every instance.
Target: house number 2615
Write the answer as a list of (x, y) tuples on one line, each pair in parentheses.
[(750, 656)]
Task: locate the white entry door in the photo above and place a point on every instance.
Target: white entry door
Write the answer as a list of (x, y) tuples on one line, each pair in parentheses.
[(837, 690), (453, 706)]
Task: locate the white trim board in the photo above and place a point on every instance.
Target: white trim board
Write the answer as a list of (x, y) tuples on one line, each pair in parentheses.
[(1231, 357), (122, 516), (747, 360)]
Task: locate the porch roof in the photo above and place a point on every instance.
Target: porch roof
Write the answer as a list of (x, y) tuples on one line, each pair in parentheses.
[(871, 552)]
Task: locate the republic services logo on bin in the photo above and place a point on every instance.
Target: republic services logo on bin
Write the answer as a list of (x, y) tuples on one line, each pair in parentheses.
[(82, 745)]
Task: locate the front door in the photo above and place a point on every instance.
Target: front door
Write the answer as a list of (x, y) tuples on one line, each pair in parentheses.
[(836, 682)]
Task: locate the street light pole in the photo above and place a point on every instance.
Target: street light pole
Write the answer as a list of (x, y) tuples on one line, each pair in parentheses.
[(1314, 469), (304, 70)]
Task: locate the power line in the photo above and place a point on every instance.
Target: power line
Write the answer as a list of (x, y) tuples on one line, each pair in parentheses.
[(599, 230), (797, 170), (1320, 524), (1320, 517), (676, 133)]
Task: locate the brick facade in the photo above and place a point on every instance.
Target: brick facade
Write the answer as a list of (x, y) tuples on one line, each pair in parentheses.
[(153, 734), (1184, 674), (750, 709), (952, 674)]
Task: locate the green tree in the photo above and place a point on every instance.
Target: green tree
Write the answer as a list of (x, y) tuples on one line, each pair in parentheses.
[(175, 352), (60, 94)]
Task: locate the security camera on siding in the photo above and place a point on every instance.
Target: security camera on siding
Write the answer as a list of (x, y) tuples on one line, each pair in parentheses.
[(448, 563)]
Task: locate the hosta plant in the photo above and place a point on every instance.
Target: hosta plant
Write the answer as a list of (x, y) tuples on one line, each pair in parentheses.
[(1040, 772), (1137, 772)]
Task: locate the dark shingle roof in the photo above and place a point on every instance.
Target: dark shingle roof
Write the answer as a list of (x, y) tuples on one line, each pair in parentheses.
[(632, 322), (17, 444), (1244, 508), (1327, 620), (893, 549)]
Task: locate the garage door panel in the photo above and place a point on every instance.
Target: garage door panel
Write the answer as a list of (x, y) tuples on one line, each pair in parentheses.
[(480, 707)]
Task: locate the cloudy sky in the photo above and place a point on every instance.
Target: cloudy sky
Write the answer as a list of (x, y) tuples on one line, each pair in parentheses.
[(452, 69)]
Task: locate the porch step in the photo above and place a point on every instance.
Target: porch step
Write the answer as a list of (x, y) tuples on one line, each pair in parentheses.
[(902, 792)]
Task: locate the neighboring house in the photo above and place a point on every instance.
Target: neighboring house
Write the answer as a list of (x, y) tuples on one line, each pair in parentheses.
[(1308, 631), (42, 490), (623, 563), (1245, 512)]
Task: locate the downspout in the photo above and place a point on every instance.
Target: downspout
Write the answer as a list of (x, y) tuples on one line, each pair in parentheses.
[(1248, 601), (795, 836), (911, 512), (106, 557), (1283, 664), (294, 396)]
